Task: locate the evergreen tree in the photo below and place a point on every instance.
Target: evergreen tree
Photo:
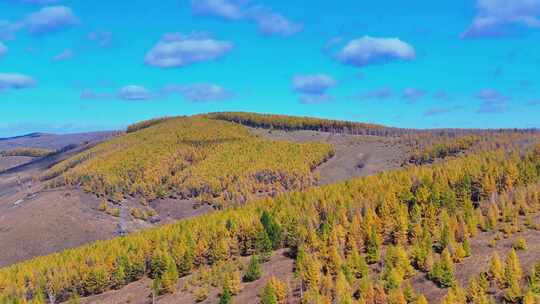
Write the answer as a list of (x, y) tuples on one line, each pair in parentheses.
[(373, 247), (443, 271), (272, 228), (225, 297), (254, 270), (263, 246), (169, 278)]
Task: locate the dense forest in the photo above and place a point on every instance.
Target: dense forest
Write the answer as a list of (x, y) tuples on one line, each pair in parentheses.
[(290, 123), (416, 220), (213, 161), (425, 147)]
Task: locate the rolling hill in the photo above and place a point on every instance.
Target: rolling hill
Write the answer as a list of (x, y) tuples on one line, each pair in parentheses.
[(432, 231)]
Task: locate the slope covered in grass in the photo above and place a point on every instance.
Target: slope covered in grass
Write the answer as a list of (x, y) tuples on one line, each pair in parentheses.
[(213, 161)]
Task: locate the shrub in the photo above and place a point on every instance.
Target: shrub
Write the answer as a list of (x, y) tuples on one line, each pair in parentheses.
[(520, 244)]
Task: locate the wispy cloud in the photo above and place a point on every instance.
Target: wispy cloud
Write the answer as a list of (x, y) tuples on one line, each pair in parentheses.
[(267, 21), (89, 94), (226, 9), (177, 50), (413, 94), (498, 18), (134, 93), (102, 38), (64, 55), (441, 95), (378, 94), (195, 92), (492, 101), (375, 51), (200, 92), (441, 110), (16, 81), (3, 49), (271, 23)]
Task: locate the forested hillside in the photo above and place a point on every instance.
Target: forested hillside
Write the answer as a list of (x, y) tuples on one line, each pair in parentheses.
[(213, 161), (416, 220)]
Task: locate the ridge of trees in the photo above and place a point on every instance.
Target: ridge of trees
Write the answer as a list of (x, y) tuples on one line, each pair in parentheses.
[(30, 152)]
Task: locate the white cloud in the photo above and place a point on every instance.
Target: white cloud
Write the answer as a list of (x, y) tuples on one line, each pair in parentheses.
[(315, 98), (268, 22), (313, 88), (413, 94), (231, 10), (50, 19), (102, 38), (176, 50), (495, 18), (200, 92), (134, 92), (64, 55), (371, 51), (16, 81), (313, 84), (493, 101)]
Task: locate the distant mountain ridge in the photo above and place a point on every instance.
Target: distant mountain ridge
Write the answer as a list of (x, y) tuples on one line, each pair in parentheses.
[(52, 141)]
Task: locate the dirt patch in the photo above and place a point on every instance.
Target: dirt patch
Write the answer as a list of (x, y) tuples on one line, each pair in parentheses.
[(355, 155), (170, 210), (50, 222), (13, 161)]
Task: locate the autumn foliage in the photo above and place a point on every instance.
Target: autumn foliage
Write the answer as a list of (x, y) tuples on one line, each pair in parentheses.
[(419, 212), (213, 161)]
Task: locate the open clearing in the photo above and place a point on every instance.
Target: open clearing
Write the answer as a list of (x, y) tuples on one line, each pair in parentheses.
[(355, 155)]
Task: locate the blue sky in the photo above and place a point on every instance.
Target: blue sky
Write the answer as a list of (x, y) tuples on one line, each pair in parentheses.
[(69, 66)]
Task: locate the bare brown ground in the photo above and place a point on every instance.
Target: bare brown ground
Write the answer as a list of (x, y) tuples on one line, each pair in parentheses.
[(35, 222), (13, 161), (139, 292), (355, 155), (50, 222)]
